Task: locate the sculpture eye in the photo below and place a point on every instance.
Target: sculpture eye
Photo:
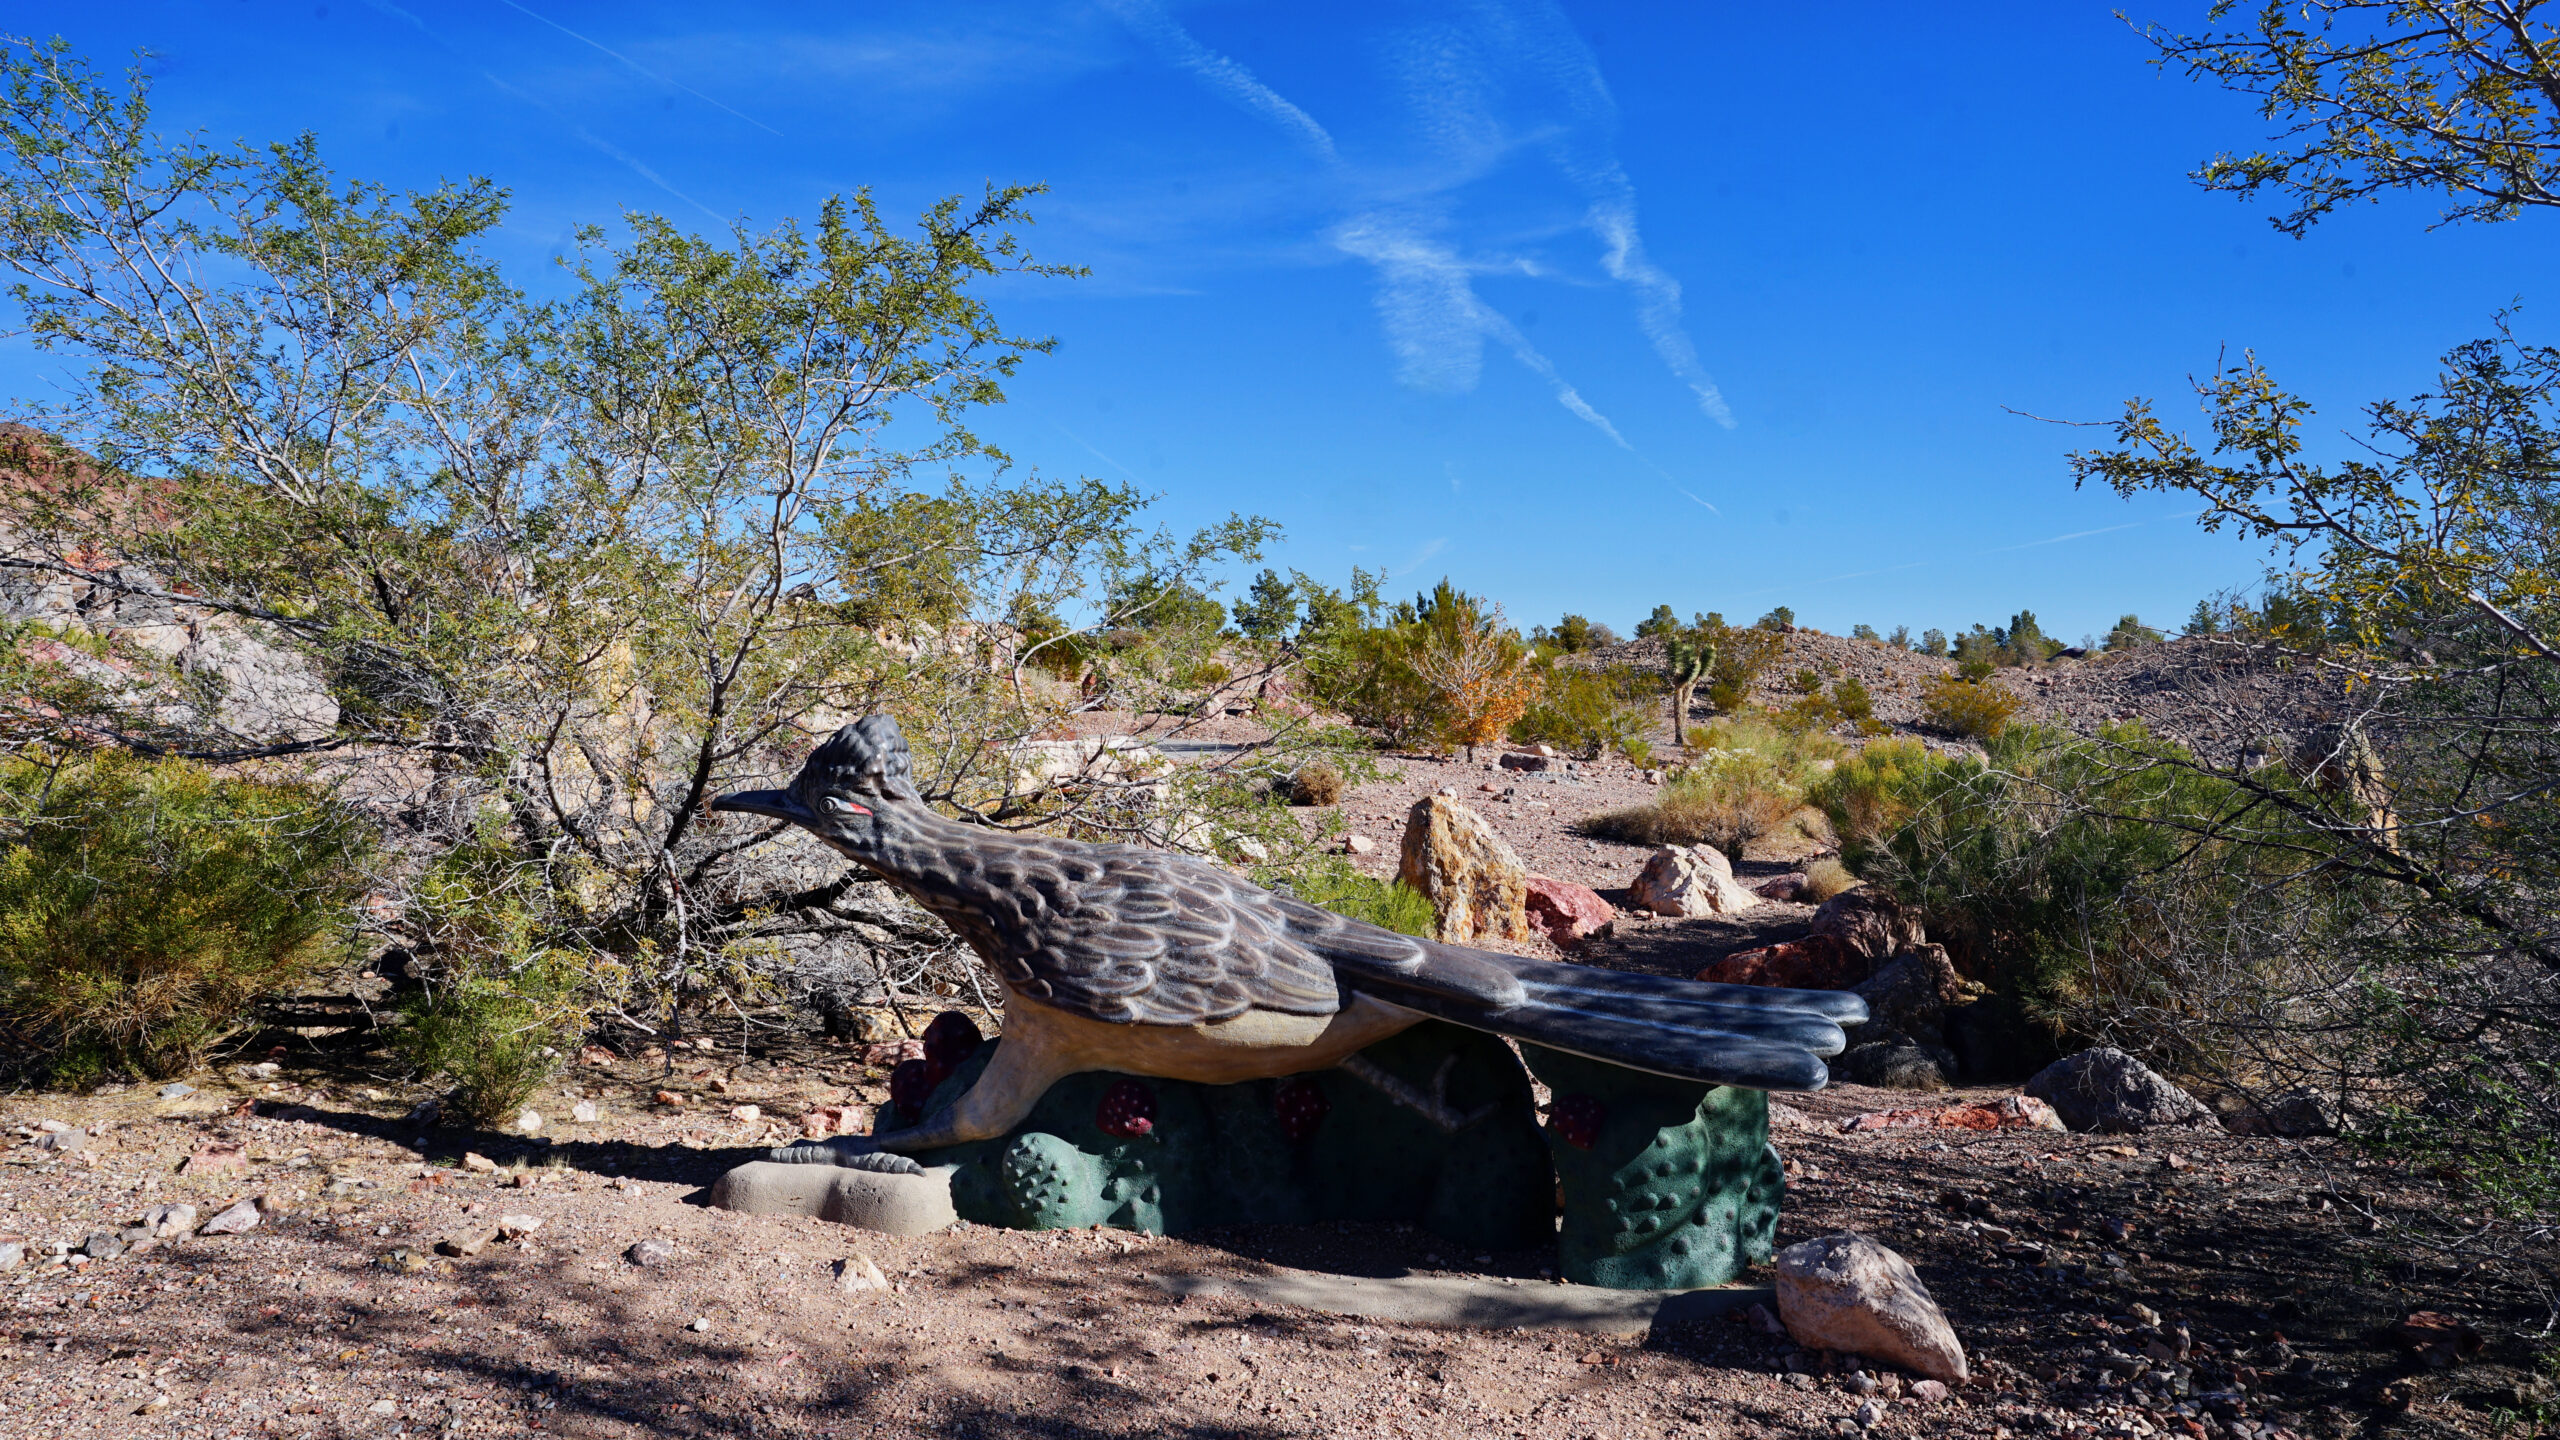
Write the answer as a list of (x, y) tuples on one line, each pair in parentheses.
[(843, 806)]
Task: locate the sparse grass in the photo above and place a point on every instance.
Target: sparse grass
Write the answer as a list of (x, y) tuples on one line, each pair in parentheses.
[(1318, 782), (1745, 784), (1824, 879)]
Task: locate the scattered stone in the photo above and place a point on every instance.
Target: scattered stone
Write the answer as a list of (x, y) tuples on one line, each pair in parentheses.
[(1568, 914), (62, 1142), (701, 1325), (1524, 762), (479, 1164), (719, 1085), (2295, 1114), (2436, 1338), (516, 1227), (1931, 1391), (1870, 922), (1849, 1293), (857, 1274), (667, 1097), (584, 1112), (1783, 1116), (168, 1220), (2010, 1112), (1911, 993), (263, 1070), (529, 1121), (215, 1158), (650, 1254), (2109, 1091), (892, 1052), (1684, 880), (102, 1245), (465, 1244), (595, 1055), (1821, 962), (749, 1113), (13, 1253), (1783, 888), (176, 1090), (426, 1112), (1476, 884), (1869, 1414), (1894, 1062), (239, 1219), (1359, 845), (384, 1407), (51, 1127)]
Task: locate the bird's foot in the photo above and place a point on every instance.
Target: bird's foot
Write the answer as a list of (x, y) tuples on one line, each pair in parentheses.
[(854, 1152)]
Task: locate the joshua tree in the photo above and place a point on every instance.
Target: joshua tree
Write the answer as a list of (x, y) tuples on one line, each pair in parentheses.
[(1687, 659)]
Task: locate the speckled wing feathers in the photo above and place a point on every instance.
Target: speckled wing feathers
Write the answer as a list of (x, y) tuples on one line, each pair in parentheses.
[(1160, 939)]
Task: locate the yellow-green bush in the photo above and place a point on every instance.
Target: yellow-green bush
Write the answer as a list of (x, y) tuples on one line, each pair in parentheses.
[(1589, 712), (1746, 780), (502, 1000), (1975, 709), (1330, 883), (146, 905), (1824, 879), (1868, 793)]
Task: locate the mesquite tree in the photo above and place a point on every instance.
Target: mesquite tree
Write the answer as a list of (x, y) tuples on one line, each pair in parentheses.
[(571, 565)]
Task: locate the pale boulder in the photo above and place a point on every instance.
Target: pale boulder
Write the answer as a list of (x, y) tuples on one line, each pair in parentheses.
[(1474, 879), (1849, 1293), (1684, 880)]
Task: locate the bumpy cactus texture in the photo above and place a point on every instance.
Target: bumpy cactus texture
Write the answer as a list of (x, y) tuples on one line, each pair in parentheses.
[(1668, 1185), (1168, 1156)]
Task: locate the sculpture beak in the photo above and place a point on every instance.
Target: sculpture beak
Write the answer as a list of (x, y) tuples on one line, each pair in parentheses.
[(777, 804)]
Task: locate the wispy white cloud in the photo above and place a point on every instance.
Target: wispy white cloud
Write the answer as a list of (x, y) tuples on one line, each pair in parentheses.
[(1420, 557), (637, 67), (1436, 323), (1221, 73), (2074, 535)]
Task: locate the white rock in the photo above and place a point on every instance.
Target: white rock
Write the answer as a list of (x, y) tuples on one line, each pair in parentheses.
[(1686, 880), (1868, 1414), (478, 1163), (385, 1407), (858, 1274), (1850, 1293), (238, 1220), (1359, 845), (584, 1112), (529, 1121), (746, 1112), (515, 1227), (13, 1253), (168, 1220)]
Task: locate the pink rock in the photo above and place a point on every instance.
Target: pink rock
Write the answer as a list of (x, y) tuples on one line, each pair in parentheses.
[(2012, 1112), (1566, 913), (1780, 887)]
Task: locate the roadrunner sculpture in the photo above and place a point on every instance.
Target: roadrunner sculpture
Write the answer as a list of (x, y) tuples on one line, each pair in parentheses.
[(1116, 957)]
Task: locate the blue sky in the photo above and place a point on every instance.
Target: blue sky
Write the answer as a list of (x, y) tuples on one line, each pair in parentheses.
[(1588, 306)]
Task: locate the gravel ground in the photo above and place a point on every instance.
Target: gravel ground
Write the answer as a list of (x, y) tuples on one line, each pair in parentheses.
[(336, 1316)]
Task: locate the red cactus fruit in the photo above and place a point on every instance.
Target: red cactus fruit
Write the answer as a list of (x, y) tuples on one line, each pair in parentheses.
[(950, 1039), (1577, 1119), (1128, 1109), (1301, 1106)]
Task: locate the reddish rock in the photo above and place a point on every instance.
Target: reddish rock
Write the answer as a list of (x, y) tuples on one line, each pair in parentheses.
[(890, 1052), (1870, 922), (1781, 887), (2012, 1112), (215, 1158), (1817, 962), (1566, 913)]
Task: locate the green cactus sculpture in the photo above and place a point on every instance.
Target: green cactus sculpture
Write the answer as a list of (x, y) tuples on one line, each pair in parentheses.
[(1667, 1184), (1434, 1126), (1688, 657)]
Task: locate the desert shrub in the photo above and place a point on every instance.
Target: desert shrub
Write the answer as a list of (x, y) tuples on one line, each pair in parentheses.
[(1209, 674), (1975, 709), (1318, 782), (1742, 655), (1867, 793), (1587, 712), (146, 905), (1639, 752), (1851, 699), (1746, 782), (1330, 883), (1824, 879), (500, 1002), (1866, 633)]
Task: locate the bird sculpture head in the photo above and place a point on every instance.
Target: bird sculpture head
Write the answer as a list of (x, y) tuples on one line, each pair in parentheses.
[(849, 794)]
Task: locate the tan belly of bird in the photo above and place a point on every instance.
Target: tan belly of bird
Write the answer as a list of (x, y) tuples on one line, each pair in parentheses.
[(1256, 1045)]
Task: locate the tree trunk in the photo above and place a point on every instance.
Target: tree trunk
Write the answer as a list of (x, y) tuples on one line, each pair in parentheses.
[(1680, 713)]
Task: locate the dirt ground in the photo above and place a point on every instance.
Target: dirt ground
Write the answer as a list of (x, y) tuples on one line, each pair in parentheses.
[(337, 1316)]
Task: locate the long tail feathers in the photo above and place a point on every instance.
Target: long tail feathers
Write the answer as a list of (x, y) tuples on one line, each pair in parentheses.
[(1748, 1035)]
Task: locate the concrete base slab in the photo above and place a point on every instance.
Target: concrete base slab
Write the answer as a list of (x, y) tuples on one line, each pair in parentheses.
[(864, 1199), (1479, 1304)]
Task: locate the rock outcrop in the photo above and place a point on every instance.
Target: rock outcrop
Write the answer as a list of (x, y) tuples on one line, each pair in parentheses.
[(2107, 1090), (1685, 880), (1566, 913), (1849, 1293), (1474, 879)]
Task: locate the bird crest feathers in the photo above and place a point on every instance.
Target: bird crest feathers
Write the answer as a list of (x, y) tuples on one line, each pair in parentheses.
[(867, 757)]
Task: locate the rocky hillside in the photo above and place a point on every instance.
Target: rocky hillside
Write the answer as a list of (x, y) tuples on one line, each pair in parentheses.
[(2211, 695)]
